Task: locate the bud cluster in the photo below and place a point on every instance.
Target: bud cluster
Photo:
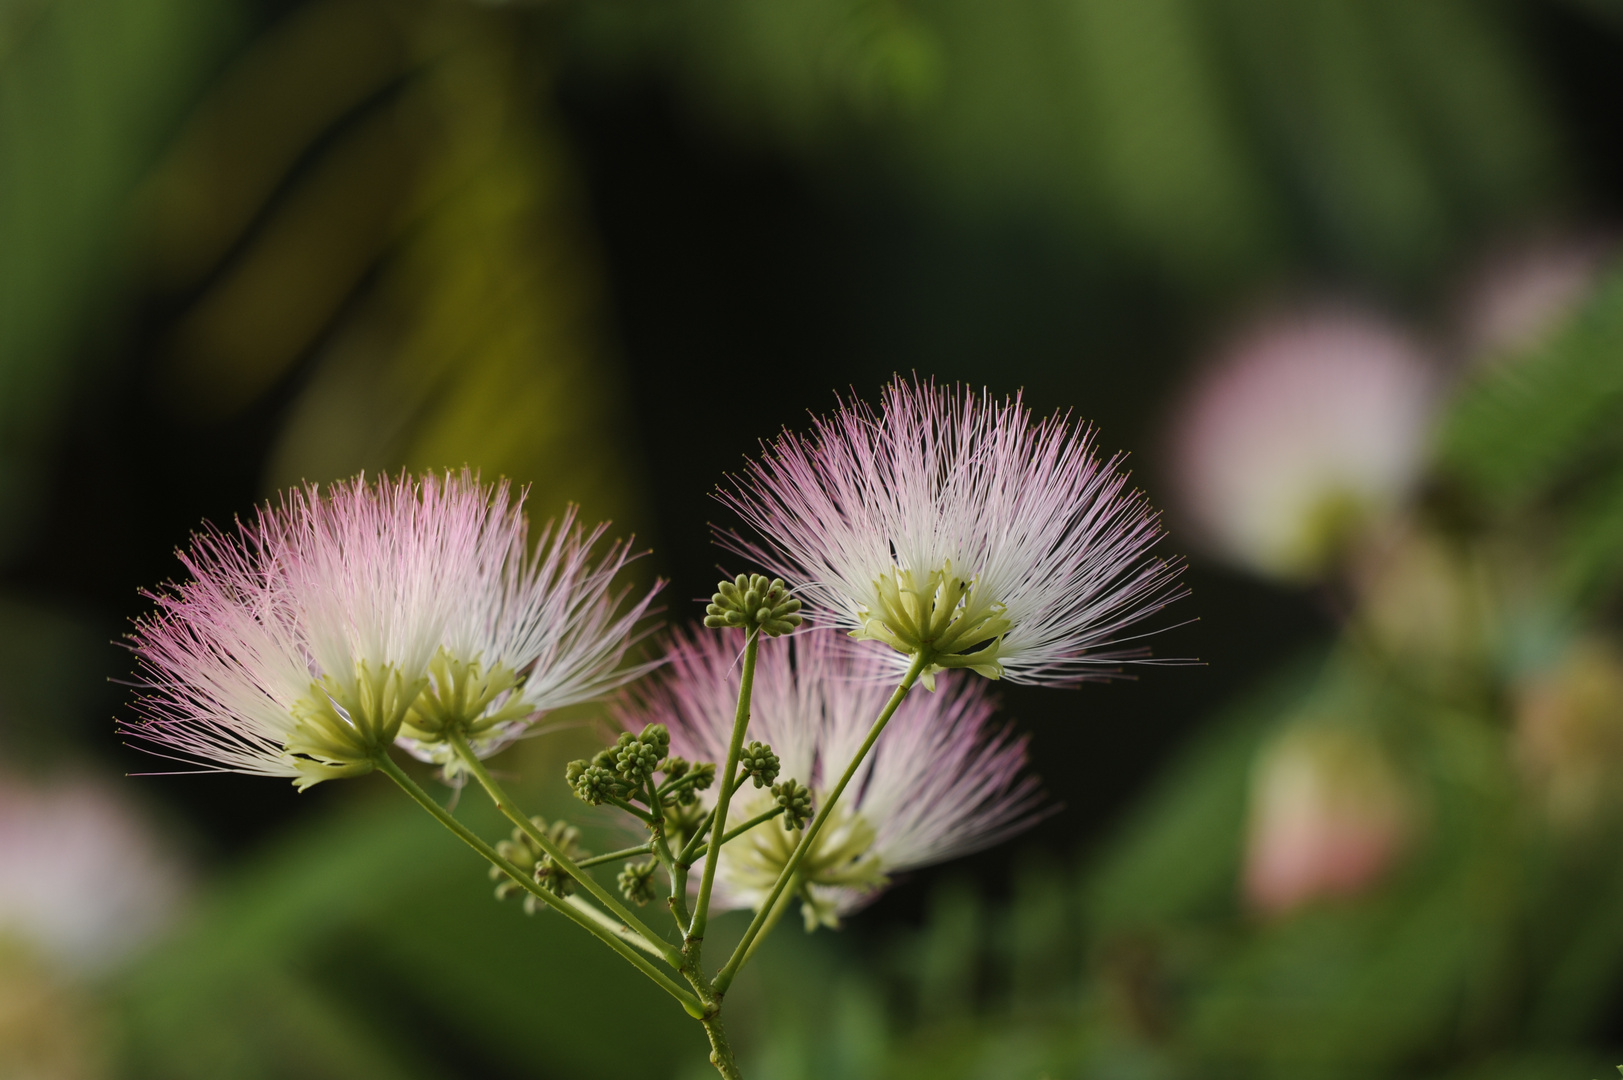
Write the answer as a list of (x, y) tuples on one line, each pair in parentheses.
[(637, 881), (757, 762), (622, 770), (752, 602), (684, 779), (796, 801), (524, 852)]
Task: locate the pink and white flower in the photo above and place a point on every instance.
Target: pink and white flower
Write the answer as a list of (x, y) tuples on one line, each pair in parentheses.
[(954, 526), (1330, 817), (1305, 433), (307, 638), (84, 879), (939, 783), (537, 631)]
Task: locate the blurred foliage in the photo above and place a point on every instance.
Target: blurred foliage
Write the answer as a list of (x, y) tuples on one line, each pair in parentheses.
[(370, 946), (374, 208), (1213, 141), (88, 89)]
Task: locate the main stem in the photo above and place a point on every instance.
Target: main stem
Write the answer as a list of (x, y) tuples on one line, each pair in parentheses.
[(688, 1001), (718, 827), (506, 805), (721, 1051), (724, 977)]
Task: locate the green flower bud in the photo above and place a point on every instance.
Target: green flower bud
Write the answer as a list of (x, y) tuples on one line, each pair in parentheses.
[(796, 802), (758, 762), (751, 602), (634, 759), (524, 852), (595, 784), (637, 881), (656, 736)]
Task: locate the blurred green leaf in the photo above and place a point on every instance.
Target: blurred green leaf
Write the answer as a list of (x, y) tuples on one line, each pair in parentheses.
[(1531, 421), (1202, 139), (403, 247), (370, 945), (89, 89)]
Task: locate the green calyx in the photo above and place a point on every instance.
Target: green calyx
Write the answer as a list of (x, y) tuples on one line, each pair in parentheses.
[(939, 614), (341, 727), (465, 697), (842, 857), (520, 850), (751, 602)]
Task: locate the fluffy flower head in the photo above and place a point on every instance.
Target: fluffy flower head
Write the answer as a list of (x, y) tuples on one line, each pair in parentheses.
[(304, 640), (534, 632), (1305, 432), (952, 525), (939, 783)]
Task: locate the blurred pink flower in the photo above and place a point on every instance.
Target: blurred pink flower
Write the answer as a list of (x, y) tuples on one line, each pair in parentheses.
[(952, 524), (940, 782), (1329, 817), (83, 880), (1303, 431)]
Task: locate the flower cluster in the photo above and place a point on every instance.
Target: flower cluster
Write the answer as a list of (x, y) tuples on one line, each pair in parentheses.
[(940, 782), (953, 526), (340, 622)]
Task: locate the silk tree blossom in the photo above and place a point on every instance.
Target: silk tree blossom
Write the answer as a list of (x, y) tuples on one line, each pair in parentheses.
[(952, 525), (1330, 817), (84, 879), (939, 783), (305, 638), (1307, 431), (536, 632)]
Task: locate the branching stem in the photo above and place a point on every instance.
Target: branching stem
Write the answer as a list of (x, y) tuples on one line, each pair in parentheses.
[(724, 977), (518, 817), (611, 938), (741, 721)]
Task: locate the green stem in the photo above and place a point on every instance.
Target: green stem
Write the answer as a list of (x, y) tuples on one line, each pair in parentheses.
[(695, 846), (784, 903), (690, 850), (612, 925), (741, 721), (544, 842), (734, 834), (689, 1002), (721, 1051), (724, 977), (627, 853)]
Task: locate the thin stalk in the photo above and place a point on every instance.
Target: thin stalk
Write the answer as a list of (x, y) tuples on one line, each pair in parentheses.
[(695, 847), (612, 925), (689, 1002), (690, 850), (627, 853), (724, 977), (741, 721), (783, 904), (544, 842), (734, 834)]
